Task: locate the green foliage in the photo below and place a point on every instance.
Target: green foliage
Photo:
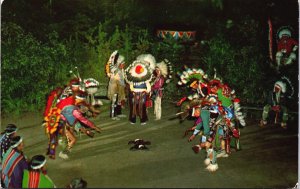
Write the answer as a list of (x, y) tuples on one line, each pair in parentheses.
[(14, 106), (29, 68), (130, 42), (170, 49), (37, 58), (240, 66)]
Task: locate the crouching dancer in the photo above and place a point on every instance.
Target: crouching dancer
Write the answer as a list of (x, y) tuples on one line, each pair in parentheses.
[(74, 120)]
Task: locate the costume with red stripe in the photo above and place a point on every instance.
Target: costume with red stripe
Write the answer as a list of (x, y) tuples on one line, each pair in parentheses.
[(36, 179), (13, 167)]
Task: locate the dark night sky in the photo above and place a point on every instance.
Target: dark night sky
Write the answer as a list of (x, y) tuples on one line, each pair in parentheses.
[(186, 14)]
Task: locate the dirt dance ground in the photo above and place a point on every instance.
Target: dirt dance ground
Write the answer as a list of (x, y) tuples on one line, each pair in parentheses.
[(268, 159)]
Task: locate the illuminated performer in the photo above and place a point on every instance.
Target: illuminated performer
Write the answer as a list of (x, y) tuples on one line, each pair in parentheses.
[(229, 109), (72, 88), (276, 103), (286, 47), (206, 113), (13, 165), (90, 86), (138, 75), (162, 75), (51, 121), (36, 176), (196, 80), (215, 108), (200, 110), (74, 121), (54, 126), (198, 107), (116, 86)]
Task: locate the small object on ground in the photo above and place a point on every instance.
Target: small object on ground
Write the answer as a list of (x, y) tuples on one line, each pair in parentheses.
[(139, 144)]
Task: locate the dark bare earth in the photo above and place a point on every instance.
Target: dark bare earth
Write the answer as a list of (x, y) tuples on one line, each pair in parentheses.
[(268, 159)]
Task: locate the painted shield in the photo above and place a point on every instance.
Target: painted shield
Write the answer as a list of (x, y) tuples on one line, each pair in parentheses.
[(52, 120)]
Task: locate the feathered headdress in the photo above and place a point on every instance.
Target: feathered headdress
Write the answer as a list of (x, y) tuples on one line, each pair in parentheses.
[(284, 30), (78, 78), (189, 75), (114, 62), (138, 72), (283, 85), (166, 70), (238, 113), (148, 59)]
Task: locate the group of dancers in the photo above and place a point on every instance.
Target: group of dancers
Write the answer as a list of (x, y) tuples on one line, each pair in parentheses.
[(140, 84), (67, 113), (212, 104), (67, 108), (217, 114)]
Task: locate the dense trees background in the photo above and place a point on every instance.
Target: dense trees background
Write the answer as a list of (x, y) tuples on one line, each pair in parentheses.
[(43, 39)]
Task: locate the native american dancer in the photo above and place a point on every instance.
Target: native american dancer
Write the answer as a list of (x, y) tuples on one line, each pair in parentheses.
[(213, 107), (90, 86), (198, 108), (54, 126), (51, 121), (36, 176), (196, 80), (14, 164), (116, 87), (205, 117), (206, 112), (286, 47), (206, 143), (226, 110), (162, 74), (277, 101), (74, 120), (229, 112), (138, 75)]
